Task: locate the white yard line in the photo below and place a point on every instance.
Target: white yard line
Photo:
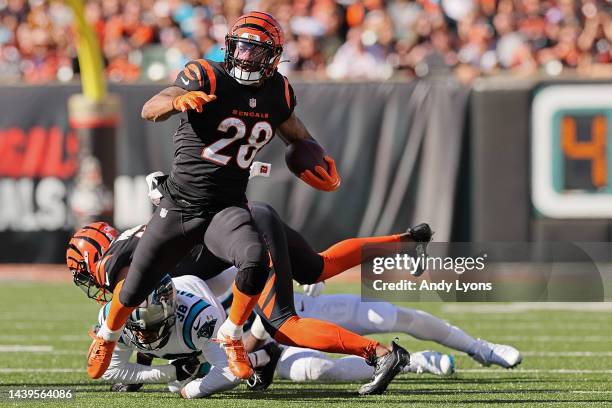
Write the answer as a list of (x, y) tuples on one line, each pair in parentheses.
[(503, 308), (41, 370), (42, 337), (567, 353), (533, 371), (559, 338), (19, 348)]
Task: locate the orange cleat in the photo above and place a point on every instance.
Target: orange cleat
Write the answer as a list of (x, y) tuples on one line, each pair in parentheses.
[(99, 356), (237, 357)]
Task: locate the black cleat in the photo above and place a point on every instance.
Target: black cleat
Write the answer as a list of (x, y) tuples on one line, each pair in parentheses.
[(263, 376), (386, 368), (421, 235), (125, 387)]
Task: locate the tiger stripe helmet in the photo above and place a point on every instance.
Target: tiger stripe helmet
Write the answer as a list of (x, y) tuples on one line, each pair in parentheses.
[(85, 250), (253, 48)]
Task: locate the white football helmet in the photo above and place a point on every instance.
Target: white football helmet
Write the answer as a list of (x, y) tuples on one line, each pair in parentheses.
[(150, 325)]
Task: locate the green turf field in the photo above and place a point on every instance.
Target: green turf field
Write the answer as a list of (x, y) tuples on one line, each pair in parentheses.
[(567, 359)]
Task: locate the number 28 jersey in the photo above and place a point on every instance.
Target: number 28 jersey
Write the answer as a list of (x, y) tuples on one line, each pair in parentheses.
[(214, 149)]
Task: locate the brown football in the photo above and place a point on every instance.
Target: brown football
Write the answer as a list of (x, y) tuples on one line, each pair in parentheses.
[(303, 155)]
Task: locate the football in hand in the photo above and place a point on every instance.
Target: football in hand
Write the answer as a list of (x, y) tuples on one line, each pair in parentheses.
[(302, 155)]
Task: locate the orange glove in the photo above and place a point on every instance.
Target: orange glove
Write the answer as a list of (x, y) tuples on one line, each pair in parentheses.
[(327, 181), (192, 100)]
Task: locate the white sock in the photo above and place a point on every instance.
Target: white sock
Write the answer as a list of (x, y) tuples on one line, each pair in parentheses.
[(259, 358), (425, 326), (300, 365), (229, 329), (108, 334)]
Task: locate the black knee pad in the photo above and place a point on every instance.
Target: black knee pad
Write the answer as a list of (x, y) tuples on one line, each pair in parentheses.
[(253, 279)]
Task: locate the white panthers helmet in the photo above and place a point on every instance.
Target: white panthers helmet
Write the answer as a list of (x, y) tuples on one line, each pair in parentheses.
[(150, 325)]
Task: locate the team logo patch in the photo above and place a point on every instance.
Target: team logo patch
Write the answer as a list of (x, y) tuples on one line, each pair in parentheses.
[(252, 102), (163, 212), (207, 329)]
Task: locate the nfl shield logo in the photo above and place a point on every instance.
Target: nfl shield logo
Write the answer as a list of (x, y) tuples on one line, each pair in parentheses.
[(252, 102)]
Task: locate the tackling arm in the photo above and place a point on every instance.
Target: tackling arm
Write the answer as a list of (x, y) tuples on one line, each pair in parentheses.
[(122, 371)]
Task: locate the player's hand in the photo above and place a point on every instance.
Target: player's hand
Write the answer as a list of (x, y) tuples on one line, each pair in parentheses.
[(314, 290), (186, 367), (324, 181), (192, 100)]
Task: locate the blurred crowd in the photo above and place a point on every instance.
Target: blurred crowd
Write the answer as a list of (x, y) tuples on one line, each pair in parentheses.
[(349, 39)]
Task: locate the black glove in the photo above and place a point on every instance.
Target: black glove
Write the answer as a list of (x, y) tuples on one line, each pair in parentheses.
[(186, 367)]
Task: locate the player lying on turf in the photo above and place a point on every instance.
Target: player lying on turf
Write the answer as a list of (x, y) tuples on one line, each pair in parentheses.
[(228, 112), (295, 362), (177, 325)]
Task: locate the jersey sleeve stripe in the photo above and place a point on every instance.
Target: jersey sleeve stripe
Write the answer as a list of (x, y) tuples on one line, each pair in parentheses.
[(212, 79), (105, 310), (100, 272), (195, 310), (287, 95)]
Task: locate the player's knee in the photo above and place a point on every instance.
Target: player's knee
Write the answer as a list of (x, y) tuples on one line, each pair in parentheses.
[(255, 255), (319, 368), (130, 296), (251, 280), (263, 212), (309, 368)]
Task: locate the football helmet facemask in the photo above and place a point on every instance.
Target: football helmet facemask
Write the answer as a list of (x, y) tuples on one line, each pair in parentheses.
[(253, 48), (150, 325)]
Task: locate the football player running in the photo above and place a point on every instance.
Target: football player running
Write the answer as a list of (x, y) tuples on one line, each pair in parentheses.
[(228, 112)]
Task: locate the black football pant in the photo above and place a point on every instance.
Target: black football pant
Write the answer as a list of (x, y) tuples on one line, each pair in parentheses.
[(172, 232), (306, 264), (292, 259)]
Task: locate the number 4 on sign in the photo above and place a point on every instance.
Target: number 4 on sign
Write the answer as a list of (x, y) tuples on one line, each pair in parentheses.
[(593, 150)]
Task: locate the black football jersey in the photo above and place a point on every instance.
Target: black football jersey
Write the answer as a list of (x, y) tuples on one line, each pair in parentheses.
[(119, 254), (199, 261), (214, 149)]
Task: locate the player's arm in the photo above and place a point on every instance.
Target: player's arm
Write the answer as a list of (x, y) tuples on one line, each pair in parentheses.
[(292, 130), (219, 378), (193, 88), (161, 106), (122, 371)]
